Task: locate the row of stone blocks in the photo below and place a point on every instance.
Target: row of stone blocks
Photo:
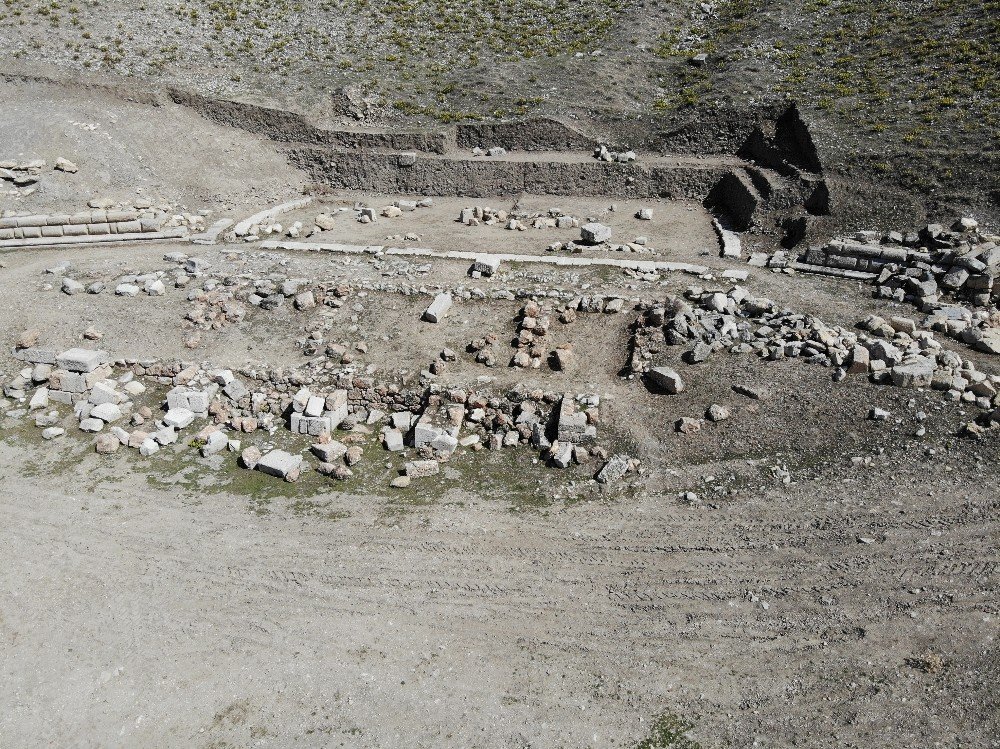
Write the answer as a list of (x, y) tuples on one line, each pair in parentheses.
[(861, 257), (111, 222), (56, 219)]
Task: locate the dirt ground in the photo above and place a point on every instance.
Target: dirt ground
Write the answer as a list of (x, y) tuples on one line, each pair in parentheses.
[(139, 616), (127, 151), (800, 600), (680, 231)]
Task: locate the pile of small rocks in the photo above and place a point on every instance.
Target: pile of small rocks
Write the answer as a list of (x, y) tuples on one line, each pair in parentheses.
[(533, 327), (28, 173), (516, 220), (602, 153)]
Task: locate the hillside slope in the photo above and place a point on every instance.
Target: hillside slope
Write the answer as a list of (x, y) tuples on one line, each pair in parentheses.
[(901, 97)]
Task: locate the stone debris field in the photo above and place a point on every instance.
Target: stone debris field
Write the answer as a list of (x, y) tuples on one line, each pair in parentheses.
[(375, 438)]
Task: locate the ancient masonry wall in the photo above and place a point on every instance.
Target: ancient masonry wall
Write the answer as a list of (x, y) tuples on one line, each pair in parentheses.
[(540, 134), (291, 127), (402, 173), (88, 223)]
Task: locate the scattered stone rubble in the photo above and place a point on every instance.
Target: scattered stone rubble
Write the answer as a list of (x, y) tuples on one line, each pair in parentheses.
[(213, 410), (951, 275), (602, 153), (888, 352), (24, 175), (517, 220), (533, 327)]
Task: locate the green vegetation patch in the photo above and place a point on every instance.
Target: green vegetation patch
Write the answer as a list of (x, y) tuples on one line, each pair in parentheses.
[(909, 70), (669, 731)]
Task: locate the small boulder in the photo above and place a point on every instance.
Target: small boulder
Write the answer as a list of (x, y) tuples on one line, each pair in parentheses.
[(666, 379), (595, 233)]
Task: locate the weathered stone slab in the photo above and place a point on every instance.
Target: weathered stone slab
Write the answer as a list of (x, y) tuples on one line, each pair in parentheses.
[(280, 463), (329, 451), (416, 469), (614, 469), (666, 379), (81, 360), (178, 418)]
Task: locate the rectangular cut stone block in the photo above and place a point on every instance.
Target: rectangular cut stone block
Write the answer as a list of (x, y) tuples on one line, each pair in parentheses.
[(105, 393), (315, 426), (236, 390), (128, 227), (336, 415), (36, 355), (198, 401), (562, 454), (165, 436), (336, 399), (178, 418), (393, 440), (614, 469), (279, 463), (329, 451), (178, 398), (315, 406), (120, 216), (81, 360), (417, 469), (486, 264), (425, 432), (572, 424)]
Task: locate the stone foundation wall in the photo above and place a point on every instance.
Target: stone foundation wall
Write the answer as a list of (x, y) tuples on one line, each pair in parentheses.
[(88, 223), (291, 127), (401, 173)]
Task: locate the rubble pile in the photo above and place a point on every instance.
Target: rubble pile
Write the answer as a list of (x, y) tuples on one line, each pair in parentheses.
[(533, 327), (948, 257), (952, 275), (889, 352), (516, 220), (213, 410), (26, 174), (603, 153)]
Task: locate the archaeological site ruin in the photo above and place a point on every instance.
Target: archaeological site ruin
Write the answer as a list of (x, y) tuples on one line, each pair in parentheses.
[(591, 374)]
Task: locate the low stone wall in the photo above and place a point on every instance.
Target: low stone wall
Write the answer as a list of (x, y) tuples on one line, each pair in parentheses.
[(862, 257), (404, 173), (87, 223), (541, 134)]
